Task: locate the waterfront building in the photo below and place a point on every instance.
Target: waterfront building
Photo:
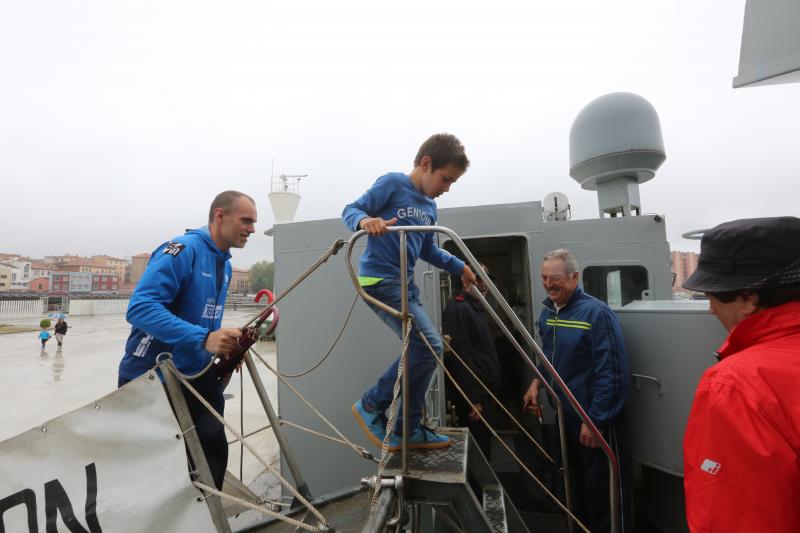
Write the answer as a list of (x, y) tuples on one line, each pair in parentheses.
[(138, 264), (683, 266), (240, 281), (5, 277), (39, 284)]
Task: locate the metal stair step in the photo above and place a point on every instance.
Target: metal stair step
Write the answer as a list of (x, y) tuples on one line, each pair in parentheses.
[(495, 508)]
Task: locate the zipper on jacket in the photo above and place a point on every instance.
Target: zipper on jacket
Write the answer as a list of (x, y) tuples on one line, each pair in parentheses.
[(220, 285), (555, 332)]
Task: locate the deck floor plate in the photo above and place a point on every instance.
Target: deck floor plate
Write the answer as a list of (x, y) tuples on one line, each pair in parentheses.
[(446, 465)]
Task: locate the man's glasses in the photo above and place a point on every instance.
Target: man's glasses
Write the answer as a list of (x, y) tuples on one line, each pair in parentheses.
[(554, 279)]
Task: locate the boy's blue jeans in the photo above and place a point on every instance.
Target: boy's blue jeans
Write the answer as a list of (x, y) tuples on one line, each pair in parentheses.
[(420, 363)]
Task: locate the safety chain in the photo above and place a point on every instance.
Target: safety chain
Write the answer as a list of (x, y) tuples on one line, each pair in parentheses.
[(249, 447), (358, 449)]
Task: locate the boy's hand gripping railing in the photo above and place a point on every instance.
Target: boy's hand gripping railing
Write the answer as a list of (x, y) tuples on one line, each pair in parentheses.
[(402, 314)]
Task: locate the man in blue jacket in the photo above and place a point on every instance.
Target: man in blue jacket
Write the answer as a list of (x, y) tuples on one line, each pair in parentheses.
[(582, 338), (177, 307)]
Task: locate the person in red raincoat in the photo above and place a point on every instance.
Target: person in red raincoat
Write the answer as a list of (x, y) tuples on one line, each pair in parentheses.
[(742, 444)]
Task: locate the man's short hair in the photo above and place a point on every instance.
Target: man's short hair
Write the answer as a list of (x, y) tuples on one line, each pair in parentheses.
[(443, 149), (225, 200), (565, 255)]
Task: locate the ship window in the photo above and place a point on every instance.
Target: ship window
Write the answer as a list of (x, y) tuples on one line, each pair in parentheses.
[(616, 285)]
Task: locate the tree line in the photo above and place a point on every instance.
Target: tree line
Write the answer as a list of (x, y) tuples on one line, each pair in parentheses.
[(262, 276)]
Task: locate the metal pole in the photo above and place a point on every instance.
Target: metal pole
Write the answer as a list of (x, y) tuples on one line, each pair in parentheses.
[(333, 250), (383, 510), (404, 354), (354, 278), (291, 462), (559, 407), (192, 441), (612, 460)]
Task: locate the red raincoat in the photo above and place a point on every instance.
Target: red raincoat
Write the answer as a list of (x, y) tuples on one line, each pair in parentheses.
[(742, 445)]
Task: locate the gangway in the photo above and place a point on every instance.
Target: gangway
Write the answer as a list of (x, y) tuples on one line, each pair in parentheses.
[(456, 484), (405, 317)]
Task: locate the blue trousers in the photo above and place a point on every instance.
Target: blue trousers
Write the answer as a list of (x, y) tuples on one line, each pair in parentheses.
[(420, 365), (590, 482)]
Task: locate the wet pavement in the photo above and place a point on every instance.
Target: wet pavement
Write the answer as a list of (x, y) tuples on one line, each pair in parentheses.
[(38, 385)]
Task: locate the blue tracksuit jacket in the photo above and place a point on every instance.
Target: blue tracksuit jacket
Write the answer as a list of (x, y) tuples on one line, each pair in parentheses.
[(176, 304), (584, 343), (394, 195)]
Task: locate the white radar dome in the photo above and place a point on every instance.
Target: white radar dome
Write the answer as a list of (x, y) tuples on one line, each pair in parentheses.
[(615, 136)]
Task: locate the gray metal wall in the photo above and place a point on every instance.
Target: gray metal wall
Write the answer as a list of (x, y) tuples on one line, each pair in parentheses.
[(310, 319), (313, 314), (614, 241), (673, 341)]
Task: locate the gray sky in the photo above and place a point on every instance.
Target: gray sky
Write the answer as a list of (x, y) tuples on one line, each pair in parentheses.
[(119, 122)]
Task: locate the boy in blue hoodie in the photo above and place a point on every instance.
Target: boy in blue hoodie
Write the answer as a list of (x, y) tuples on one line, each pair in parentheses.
[(44, 336), (406, 200), (177, 307)]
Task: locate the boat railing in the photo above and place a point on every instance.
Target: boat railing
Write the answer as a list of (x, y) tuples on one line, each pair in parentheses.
[(403, 315)]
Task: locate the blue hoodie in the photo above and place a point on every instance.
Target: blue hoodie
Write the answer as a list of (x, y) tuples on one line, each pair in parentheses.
[(394, 195), (176, 304), (583, 340)]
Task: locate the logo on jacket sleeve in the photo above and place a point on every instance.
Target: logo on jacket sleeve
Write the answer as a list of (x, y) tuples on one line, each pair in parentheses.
[(174, 248), (712, 467), (143, 346)]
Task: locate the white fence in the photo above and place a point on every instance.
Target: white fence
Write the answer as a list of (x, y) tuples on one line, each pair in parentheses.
[(98, 307), (22, 308), (12, 309)]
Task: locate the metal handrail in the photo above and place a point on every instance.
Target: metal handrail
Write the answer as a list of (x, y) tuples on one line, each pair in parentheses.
[(562, 433), (562, 386)]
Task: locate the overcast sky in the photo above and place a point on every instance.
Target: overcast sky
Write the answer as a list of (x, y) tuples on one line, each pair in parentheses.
[(119, 122)]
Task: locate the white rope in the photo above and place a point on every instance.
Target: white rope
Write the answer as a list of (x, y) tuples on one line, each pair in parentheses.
[(393, 410), (257, 507), (358, 449), (321, 435), (247, 445)]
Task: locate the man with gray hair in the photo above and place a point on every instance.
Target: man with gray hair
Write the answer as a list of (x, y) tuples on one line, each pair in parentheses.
[(582, 338)]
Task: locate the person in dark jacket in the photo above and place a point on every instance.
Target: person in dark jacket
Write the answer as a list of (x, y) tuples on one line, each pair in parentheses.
[(582, 338), (177, 307), (60, 330), (465, 321)]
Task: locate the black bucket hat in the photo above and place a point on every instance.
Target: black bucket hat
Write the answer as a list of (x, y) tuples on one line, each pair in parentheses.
[(751, 253)]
